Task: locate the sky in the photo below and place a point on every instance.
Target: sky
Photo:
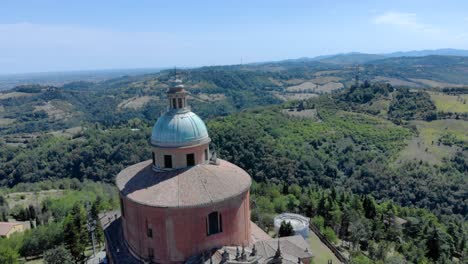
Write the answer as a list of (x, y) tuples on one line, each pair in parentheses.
[(57, 35)]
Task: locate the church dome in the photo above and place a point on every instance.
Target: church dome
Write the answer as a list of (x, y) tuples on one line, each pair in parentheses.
[(179, 129)]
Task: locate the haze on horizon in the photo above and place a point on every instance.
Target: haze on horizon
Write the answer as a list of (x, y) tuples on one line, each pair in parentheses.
[(48, 35)]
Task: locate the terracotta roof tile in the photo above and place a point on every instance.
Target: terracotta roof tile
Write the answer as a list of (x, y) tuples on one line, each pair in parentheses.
[(5, 227), (191, 187)]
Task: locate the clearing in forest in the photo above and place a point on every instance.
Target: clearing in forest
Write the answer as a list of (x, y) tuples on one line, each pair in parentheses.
[(427, 147), (135, 102), (24, 199), (450, 103)]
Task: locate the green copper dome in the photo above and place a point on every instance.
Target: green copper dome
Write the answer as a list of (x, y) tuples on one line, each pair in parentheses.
[(179, 129)]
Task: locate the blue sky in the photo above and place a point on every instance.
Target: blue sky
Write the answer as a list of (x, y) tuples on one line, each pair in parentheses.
[(47, 35)]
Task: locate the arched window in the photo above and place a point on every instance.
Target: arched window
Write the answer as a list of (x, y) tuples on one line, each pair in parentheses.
[(214, 223)]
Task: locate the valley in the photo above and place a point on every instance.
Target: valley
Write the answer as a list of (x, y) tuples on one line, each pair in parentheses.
[(315, 143)]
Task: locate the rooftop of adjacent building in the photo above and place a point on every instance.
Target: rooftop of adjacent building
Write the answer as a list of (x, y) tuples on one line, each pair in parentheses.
[(195, 186), (286, 250), (7, 227)]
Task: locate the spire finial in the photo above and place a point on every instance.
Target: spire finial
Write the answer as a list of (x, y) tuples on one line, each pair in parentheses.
[(254, 251), (278, 251)]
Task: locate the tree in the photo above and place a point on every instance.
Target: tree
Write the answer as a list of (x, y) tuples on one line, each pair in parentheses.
[(370, 210), (358, 232), (58, 255), (76, 236), (286, 229), (8, 255), (330, 235), (439, 245)]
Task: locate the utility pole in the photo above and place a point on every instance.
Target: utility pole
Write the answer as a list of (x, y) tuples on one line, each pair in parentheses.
[(357, 76), (91, 224)]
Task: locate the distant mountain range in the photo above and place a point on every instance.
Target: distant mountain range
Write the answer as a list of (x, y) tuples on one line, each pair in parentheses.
[(421, 68), (359, 58)]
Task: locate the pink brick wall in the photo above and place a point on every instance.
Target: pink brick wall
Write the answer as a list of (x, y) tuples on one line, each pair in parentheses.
[(179, 233)]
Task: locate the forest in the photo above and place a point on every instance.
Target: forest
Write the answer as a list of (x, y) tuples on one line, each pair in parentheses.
[(334, 158)]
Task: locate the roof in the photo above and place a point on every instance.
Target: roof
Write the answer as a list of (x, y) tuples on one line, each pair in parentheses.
[(292, 247), (179, 128), (195, 186), (116, 248), (5, 227)]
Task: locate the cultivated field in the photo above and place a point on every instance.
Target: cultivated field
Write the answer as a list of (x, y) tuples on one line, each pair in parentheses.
[(56, 109), (135, 102), (396, 81), (13, 95), (294, 96), (310, 86), (432, 83), (6, 121)]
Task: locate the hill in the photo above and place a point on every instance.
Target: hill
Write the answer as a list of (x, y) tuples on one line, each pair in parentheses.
[(421, 53), (352, 58), (369, 162)]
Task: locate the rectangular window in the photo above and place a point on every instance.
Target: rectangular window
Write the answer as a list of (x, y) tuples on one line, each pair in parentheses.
[(214, 224), (206, 154), (167, 161), (154, 159), (180, 102), (174, 105), (191, 159), (150, 232), (122, 209), (150, 253)]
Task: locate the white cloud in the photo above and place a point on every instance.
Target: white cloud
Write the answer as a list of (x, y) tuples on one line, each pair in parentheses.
[(405, 21)]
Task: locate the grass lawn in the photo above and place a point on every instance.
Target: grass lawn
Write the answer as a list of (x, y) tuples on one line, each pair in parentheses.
[(450, 103), (320, 251)]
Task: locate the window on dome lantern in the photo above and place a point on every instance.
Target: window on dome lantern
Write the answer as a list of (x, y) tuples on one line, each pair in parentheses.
[(154, 158), (191, 159), (174, 105), (167, 161), (214, 224), (180, 102)]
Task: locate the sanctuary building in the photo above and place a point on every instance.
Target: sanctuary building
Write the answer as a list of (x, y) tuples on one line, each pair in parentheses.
[(184, 205)]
